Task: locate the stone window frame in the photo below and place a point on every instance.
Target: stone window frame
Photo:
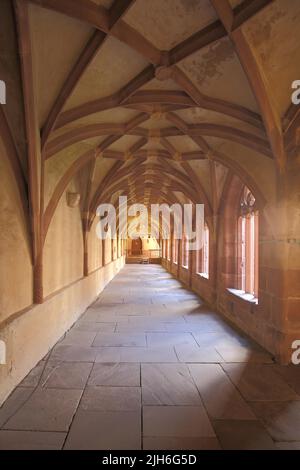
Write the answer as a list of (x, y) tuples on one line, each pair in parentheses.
[(203, 255), (248, 245)]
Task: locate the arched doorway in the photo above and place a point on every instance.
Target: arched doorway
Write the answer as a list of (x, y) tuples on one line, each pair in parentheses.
[(137, 247)]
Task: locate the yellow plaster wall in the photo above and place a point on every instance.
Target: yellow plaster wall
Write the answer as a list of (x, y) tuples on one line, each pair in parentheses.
[(15, 261), (63, 251)]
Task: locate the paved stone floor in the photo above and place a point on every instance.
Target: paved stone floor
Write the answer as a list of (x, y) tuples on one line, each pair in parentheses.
[(149, 366)]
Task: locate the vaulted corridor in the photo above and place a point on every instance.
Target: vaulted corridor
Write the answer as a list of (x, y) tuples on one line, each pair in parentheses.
[(148, 365)]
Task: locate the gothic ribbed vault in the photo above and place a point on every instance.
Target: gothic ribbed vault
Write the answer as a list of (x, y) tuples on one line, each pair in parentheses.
[(161, 100)]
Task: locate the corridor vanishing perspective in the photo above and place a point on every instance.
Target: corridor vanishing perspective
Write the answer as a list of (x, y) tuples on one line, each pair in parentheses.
[(149, 366)]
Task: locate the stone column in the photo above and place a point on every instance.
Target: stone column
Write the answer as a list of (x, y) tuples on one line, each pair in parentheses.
[(279, 272)]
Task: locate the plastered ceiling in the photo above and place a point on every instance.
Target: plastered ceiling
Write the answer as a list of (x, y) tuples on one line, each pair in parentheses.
[(162, 100)]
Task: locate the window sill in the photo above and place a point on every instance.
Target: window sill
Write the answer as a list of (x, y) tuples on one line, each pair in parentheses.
[(243, 295), (204, 275), (185, 267)]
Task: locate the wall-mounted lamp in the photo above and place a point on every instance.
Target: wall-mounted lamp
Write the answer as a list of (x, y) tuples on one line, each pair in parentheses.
[(73, 199)]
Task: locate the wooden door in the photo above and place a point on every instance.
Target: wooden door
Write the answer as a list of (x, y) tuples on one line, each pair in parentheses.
[(136, 247)]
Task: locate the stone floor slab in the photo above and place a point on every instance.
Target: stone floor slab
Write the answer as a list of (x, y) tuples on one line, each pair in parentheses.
[(247, 354), (139, 355), (69, 353), (120, 340), (15, 401), (115, 374), (220, 397), (258, 382), (29, 440), (168, 384), (181, 443), (111, 399), (290, 374), (78, 338), (168, 339), (288, 445), (46, 410), (282, 419), (100, 430), (72, 375), (192, 353), (176, 421), (219, 338), (33, 378), (94, 326), (243, 435)]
